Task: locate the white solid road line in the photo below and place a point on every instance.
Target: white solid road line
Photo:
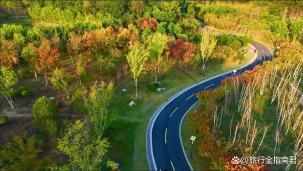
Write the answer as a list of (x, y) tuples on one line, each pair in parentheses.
[(172, 165), (173, 112), (208, 86), (190, 96), (165, 136)]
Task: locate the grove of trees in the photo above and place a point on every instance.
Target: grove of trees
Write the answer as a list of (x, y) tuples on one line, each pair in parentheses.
[(90, 55)]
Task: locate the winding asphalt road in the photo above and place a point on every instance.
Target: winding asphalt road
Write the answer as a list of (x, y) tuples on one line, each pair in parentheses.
[(164, 146)]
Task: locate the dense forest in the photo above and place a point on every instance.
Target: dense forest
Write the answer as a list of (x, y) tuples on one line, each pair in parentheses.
[(79, 80)]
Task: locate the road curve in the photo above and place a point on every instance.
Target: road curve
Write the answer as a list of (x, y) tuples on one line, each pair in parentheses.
[(164, 146)]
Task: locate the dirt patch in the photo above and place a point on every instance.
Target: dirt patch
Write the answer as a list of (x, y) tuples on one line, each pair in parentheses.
[(14, 126)]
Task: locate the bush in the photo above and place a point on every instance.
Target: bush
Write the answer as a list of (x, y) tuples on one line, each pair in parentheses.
[(153, 86), (25, 73), (236, 42), (162, 27), (166, 11), (218, 10), (22, 91), (44, 111), (3, 120)]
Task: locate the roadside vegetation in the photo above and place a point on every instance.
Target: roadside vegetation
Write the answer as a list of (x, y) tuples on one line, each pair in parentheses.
[(79, 80), (258, 113)]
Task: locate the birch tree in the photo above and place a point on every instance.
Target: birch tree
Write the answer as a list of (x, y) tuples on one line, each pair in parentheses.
[(97, 102), (207, 45), (135, 59), (156, 45), (8, 79), (61, 80)]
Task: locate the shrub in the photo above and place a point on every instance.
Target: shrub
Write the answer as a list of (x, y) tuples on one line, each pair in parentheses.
[(44, 111), (236, 42), (218, 10), (154, 86), (166, 11), (3, 120), (22, 91), (162, 27), (25, 72)]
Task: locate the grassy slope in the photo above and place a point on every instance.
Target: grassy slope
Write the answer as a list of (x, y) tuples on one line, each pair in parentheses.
[(127, 131)]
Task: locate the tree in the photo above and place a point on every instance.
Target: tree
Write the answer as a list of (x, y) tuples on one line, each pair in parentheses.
[(44, 111), (19, 41), (207, 45), (8, 79), (60, 80), (84, 151), (8, 54), (47, 55), (23, 153), (35, 34), (156, 45), (29, 54), (74, 45), (97, 103), (182, 51), (296, 28), (280, 29), (135, 59)]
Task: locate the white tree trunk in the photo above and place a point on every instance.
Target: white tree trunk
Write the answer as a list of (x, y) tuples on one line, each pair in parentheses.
[(10, 102), (136, 85), (46, 81), (36, 74)]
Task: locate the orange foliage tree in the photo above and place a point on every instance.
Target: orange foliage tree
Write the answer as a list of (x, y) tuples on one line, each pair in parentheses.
[(48, 53), (8, 54)]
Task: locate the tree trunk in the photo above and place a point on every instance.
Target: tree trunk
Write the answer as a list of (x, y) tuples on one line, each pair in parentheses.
[(10, 102), (46, 81), (158, 72), (36, 75), (203, 68), (136, 85), (156, 75)]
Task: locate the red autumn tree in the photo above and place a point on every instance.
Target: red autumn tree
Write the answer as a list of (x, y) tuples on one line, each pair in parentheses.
[(48, 53), (149, 23), (182, 51)]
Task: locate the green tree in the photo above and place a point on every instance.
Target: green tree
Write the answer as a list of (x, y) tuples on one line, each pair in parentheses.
[(280, 29), (19, 41), (7, 31), (8, 78), (97, 103), (135, 59), (84, 151), (61, 80), (29, 54), (156, 45), (207, 45), (35, 34), (296, 28), (44, 111), (23, 153)]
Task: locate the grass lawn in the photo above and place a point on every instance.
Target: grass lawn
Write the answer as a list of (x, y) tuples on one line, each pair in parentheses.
[(128, 143)]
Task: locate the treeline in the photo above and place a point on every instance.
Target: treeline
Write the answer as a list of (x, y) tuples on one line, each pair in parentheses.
[(82, 49)]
